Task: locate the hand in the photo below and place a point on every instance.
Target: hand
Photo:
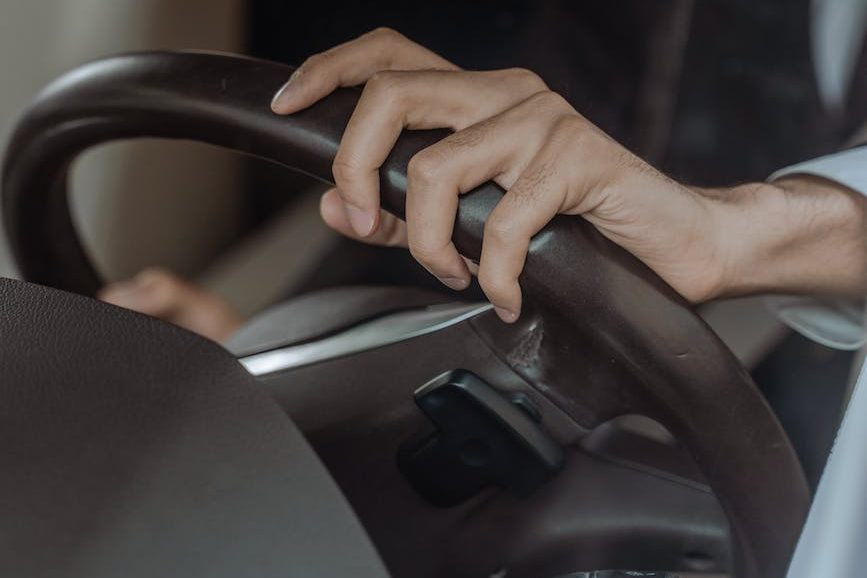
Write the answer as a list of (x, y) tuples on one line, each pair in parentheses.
[(162, 294), (511, 129)]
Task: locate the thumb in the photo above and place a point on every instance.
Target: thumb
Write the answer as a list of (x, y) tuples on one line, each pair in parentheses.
[(391, 231)]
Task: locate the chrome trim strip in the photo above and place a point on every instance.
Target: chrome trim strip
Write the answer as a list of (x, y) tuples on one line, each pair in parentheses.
[(375, 333)]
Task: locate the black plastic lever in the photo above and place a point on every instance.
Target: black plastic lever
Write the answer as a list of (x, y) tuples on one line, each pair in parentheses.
[(482, 439)]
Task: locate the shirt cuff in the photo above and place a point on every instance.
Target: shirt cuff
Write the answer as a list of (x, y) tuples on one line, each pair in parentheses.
[(836, 324), (849, 168)]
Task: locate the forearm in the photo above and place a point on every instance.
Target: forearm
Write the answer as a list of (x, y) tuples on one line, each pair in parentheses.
[(799, 235)]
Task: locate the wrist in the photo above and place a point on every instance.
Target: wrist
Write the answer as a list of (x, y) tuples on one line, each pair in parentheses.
[(800, 235)]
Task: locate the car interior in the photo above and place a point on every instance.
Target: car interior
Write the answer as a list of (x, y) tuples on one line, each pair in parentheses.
[(363, 422), (450, 444)]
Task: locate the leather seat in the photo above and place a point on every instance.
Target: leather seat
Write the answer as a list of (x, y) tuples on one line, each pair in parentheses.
[(129, 447)]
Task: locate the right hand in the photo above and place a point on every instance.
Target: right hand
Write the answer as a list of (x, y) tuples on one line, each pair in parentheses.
[(511, 129)]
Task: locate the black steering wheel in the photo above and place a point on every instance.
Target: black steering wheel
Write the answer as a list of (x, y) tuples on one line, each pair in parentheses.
[(614, 338)]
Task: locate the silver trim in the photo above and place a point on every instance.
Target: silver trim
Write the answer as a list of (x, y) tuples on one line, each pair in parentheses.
[(365, 336)]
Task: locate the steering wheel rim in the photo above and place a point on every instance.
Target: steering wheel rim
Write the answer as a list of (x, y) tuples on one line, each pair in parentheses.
[(669, 364)]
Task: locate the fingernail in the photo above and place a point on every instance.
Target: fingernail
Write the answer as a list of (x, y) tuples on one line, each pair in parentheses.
[(505, 314), (285, 91), (361, 220), (456, 283)]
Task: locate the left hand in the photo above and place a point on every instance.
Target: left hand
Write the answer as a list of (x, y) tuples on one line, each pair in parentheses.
[(160, 293)]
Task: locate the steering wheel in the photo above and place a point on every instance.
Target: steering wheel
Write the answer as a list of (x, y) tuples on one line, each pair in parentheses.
[(609, 336)]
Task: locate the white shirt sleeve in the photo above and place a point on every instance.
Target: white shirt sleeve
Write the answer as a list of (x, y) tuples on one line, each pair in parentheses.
[(835, 324), (832, 543)]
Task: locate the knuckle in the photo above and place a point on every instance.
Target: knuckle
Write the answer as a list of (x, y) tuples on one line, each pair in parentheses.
[(381, 79), (426, 166), (345, 168), (384, 33), (499, 229), (574, 130), (527, 78), (548, 100), (385, 84)]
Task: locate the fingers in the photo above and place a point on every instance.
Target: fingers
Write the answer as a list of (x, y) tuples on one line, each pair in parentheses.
[(506, 122), (499, 149), (392, 101), (391, 232), (153, 291), (534, 199), (352, 63), (561, 178), (161, 294), (458, 163)]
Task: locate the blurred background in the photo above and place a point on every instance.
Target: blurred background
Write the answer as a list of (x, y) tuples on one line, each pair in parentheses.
[(40, 40), (712, 92)]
